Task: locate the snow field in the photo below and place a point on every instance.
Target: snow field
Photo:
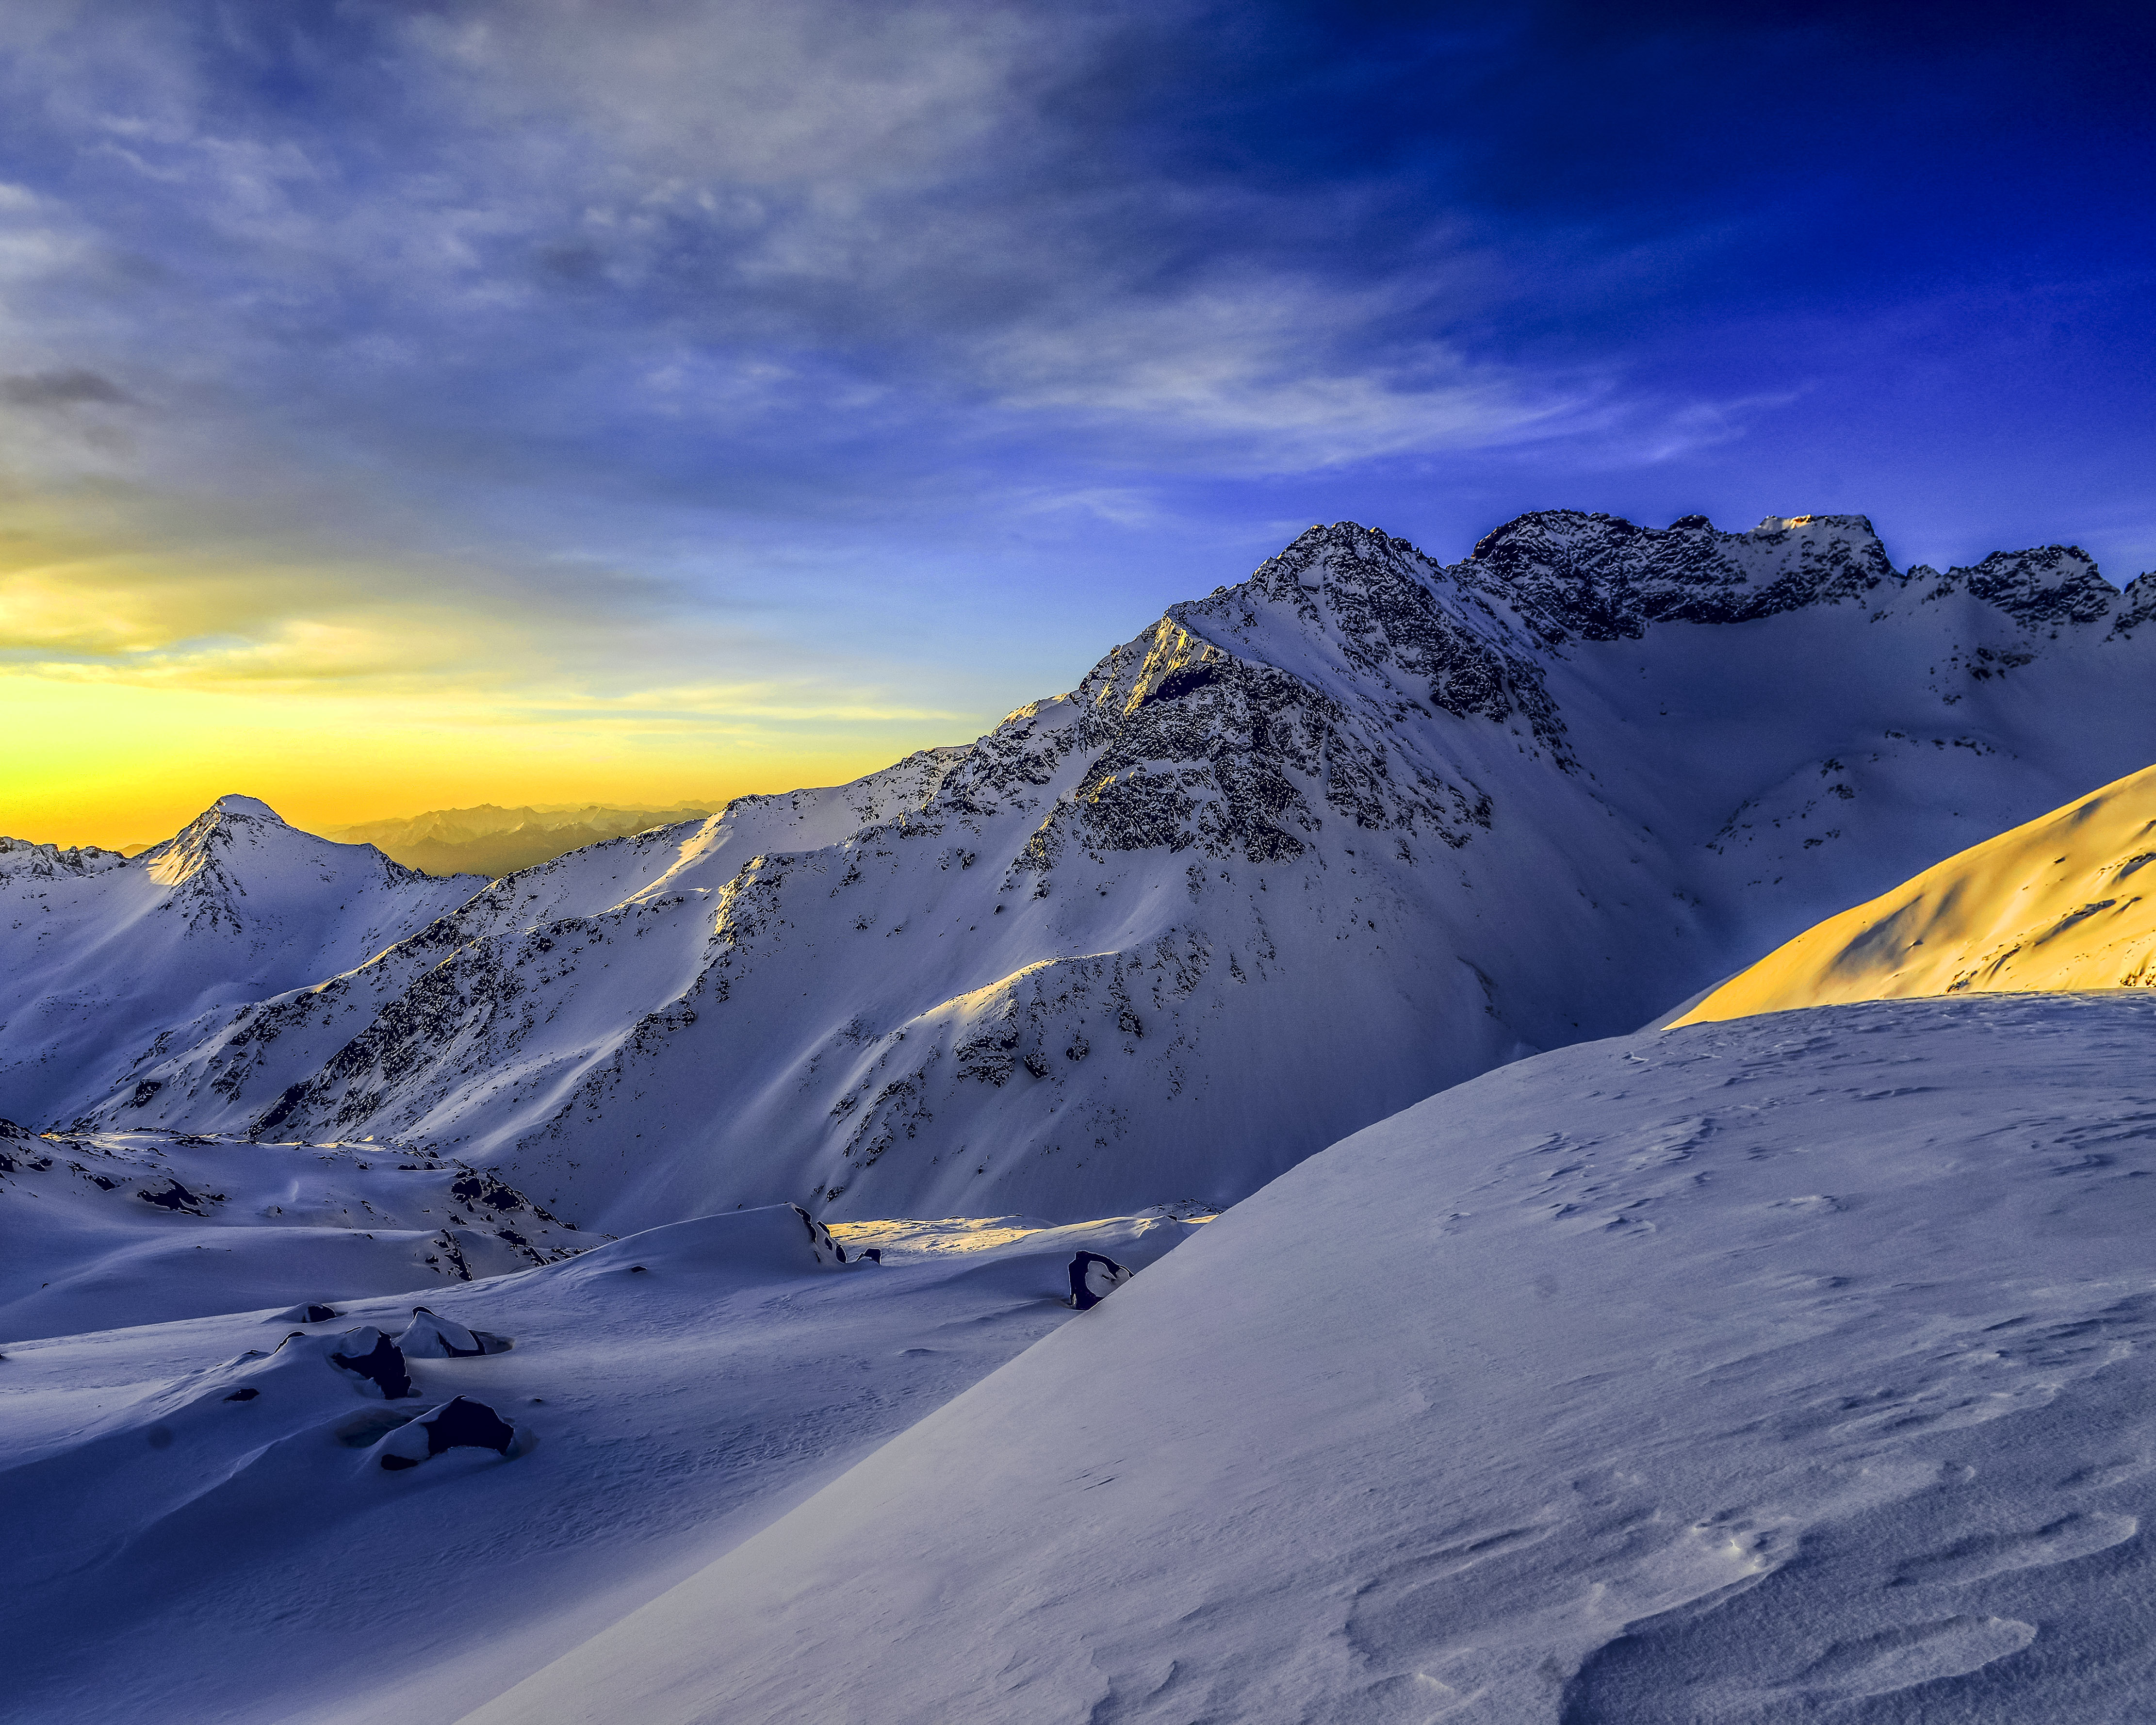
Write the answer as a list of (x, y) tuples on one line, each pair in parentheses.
[(132, 1228), (1790, 1368), (174, 1553)]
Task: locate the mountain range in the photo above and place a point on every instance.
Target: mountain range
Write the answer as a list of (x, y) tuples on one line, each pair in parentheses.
[(491, 840), (1300, 853)]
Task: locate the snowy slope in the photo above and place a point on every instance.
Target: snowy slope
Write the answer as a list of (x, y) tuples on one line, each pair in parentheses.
[(135, 1227), (2060, 903), (174, 1553), (103, 956), (1792, 1369), (1301, 853)]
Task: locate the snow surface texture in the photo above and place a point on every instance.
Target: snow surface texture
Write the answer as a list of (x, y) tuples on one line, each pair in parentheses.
[(177, 1548), (2061, 903), (1793, 1368), (1303, 852), (135, 1227)]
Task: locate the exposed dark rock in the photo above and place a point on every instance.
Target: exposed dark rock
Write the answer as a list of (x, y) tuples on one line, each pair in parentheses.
[(369, 1354), (1093, 1278), (459, 1423), (177, 1198)]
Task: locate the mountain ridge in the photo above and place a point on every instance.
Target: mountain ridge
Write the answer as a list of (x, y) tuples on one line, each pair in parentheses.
[(492, 841), (1298, 854), (2057, 906)]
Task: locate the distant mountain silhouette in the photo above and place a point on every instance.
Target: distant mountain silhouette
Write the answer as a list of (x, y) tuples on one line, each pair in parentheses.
[(495, 841)]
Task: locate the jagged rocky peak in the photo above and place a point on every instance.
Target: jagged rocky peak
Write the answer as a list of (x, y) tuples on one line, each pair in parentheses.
[(2040, 588), (1562, 575), (20, 857), (1572, 573)]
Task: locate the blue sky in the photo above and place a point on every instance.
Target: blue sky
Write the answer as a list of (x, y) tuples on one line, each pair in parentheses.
[(742, 388)]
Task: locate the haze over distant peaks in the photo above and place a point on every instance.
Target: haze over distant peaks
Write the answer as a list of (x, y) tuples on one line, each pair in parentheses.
[(492, 841)]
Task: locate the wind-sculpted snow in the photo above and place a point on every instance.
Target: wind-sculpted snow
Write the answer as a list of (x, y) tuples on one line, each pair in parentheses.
[(1301, 853), (2061, 903), (1790, 1369), (200, 1523)]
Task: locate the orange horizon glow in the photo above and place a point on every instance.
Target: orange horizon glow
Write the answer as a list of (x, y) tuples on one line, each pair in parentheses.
[(139, 683), (121, 765)]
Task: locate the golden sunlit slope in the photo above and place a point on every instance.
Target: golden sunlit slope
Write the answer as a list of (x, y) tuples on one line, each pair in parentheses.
[(2067, 901)]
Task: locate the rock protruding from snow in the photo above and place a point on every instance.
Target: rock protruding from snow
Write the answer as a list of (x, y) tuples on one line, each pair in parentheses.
[(1093, 1278), (429, 1337), (2065, 902), (459, 1423), (371, 1356)]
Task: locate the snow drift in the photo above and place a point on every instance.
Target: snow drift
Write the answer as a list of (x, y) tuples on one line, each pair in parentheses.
[(200, 1523), (1782, 1369)]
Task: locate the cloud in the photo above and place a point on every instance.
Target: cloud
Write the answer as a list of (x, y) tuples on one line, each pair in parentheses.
[(887, 362), (69, 389)]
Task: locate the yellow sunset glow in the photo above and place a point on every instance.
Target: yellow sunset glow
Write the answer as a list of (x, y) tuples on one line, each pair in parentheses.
[(137, 685)]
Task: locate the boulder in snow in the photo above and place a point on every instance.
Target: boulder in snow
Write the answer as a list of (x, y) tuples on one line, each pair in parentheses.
[(307, 1311), (1093, 1278), (369, 1354), (458, 1424), (428, 1337)]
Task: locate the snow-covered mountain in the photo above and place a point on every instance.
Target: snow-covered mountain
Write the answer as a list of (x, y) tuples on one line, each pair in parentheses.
[(1301, 853), (2060, 903), (106, 957), (491, 840)]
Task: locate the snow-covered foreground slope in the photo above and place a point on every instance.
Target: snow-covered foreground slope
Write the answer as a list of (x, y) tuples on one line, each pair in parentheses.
[(134, 1227), (106, 959), (2060, 903), (179, 1549), (1301, 853), (1792, 1369)]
